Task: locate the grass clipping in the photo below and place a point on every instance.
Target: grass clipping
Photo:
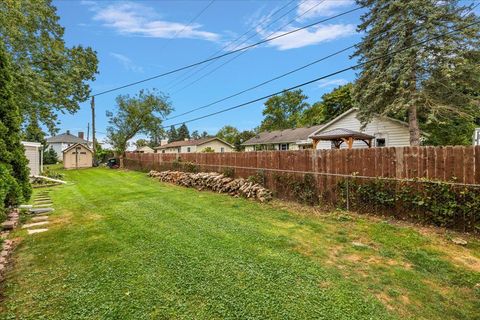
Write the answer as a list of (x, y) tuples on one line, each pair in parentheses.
[(216, 182)]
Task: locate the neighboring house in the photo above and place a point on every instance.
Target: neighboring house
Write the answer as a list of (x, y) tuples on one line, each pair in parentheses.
[(476, 137), (144, 149), (288, 139), (198, 145), (76, 156), (34, 154), (383, 131), (62, 141)]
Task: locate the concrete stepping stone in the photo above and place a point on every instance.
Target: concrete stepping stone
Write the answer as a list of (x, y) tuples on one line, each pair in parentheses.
[(40, 210), (42, 201), (25, 206), (40, 218), (35, 224), (43, 205), (33, 231)]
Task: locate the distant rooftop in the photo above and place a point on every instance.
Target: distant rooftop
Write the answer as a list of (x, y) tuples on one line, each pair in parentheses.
[(282, 136), (66, 137), (183, 143)]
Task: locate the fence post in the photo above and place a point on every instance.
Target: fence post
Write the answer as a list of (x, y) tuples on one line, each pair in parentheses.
[(348, 196)]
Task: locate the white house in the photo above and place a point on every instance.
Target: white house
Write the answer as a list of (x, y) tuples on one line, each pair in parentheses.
[(382, 130), (62, 141), (198, 145), (288, 139), (34, 154)]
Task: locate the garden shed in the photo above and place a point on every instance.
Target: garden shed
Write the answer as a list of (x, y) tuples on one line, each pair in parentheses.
[(77, 156)]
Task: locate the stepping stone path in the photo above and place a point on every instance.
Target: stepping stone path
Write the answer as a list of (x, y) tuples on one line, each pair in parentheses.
[(41, 209)]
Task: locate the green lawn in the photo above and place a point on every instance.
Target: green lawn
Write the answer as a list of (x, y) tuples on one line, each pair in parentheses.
[(123, 246)]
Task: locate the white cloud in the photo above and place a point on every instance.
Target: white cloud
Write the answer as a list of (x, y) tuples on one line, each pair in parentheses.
[(126, 62), (330, 83), (324, 9), (136, 19), (311, 36)]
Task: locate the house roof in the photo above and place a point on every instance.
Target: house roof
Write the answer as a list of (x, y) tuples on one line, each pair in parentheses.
[(282, 136), (77, 145), (341, 133), (185, 143), (31, 144), (66, 138), (346, 113)]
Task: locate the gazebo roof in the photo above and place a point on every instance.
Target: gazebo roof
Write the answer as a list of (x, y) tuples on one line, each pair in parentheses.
[(341, 133)]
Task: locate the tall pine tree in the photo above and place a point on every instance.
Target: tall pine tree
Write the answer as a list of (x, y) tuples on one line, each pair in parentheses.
[(413, 82), (14, 173)]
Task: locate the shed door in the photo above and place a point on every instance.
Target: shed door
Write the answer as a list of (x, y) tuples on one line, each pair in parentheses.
[(82, 159)]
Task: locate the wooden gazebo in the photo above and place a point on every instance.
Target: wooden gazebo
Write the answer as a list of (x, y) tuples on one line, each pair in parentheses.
[(340, 135)]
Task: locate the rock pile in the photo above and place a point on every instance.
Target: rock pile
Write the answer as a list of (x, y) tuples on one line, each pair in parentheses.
[(216, 182)]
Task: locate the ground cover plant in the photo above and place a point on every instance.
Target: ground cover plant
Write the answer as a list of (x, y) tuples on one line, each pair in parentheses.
[(123, 246)]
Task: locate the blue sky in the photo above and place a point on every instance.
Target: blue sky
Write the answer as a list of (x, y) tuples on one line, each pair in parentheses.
[(139, 39)]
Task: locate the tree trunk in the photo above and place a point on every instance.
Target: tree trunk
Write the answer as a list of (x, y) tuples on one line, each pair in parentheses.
[(413, 125), (121, 161)]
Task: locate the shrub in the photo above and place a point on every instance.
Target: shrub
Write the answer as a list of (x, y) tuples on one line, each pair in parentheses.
[(438, 203), (228, 172), (259, 177), (50, 156)]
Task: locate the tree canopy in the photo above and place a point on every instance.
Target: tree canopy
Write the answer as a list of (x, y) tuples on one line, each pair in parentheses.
[(283, 111), (423, 80), (49, 77), (139, 114)]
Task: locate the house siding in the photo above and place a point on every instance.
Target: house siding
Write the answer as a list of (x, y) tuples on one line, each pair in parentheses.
[(395, 134), (216, 145)]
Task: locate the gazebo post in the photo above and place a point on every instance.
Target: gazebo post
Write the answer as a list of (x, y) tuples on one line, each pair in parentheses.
[(350, 142)]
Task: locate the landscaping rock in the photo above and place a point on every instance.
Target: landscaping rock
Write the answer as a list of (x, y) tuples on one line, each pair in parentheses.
[(33, 231), (460, 241), (8, 225)]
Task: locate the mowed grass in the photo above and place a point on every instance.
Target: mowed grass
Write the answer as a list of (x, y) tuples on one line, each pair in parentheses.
[(124, 246)]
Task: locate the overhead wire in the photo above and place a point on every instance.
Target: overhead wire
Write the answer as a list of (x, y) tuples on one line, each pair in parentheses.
[(321, 78)]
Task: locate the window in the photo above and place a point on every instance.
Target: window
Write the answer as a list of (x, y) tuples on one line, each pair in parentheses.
[(380, 142), (83, 152), (283, 146), (163, 151), (222, 149), (188, 149)]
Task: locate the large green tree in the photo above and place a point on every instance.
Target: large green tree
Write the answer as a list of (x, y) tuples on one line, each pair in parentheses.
[(49, 77), (228, 133), (421, 79), (139, 114), (283, 111), (14, 173), (183, 132)]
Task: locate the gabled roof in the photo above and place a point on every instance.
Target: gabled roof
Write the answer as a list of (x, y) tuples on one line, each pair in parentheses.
[(77, 145), (346, 113), (196, 142), (340, 133), (66, 138), (282, 136)]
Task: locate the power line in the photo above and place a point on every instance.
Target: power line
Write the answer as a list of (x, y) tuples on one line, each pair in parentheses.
[(264, 82), (285, 74), (190, 22), (320, 78), (243, 52), (227, 53), (244, 41)]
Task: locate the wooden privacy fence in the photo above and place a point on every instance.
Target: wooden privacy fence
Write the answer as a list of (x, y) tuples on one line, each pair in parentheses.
[(455, 164), (439, 185)]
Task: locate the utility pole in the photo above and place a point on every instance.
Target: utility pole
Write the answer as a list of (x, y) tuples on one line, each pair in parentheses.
[(93, 130), (88, 132)]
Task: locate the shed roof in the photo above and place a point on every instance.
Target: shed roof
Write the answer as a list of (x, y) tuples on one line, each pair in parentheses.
[(66, 138), (196, 142), (340, 133), (282, 136)]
